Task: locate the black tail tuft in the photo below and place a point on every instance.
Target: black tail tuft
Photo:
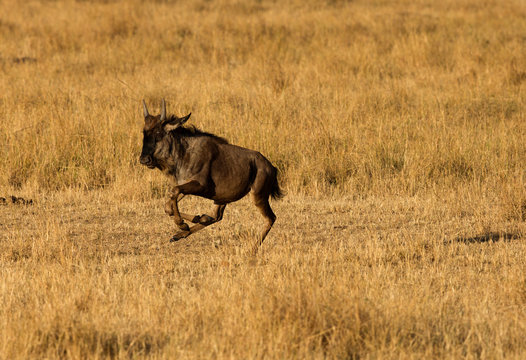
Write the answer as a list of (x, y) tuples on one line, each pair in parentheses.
[(275, 192)]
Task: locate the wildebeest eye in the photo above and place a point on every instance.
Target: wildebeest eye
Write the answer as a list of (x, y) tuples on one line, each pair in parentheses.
[(158, 135)]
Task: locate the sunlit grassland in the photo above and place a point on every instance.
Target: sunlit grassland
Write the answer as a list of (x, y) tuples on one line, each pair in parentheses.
[(399, 132)]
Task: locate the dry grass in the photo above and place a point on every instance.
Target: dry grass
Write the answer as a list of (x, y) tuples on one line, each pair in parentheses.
[(400, 134)]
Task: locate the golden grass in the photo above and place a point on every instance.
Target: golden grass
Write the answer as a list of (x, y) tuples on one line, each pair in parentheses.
[(399, 132)]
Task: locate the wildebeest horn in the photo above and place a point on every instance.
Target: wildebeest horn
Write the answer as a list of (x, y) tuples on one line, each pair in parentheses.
[(145, 109), (163, 110)]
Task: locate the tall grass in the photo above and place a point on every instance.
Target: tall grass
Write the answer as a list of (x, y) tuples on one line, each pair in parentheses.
[(399, 132), (342, 96)]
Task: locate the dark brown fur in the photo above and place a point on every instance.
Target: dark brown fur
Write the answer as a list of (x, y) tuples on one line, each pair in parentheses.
[(202, 164)]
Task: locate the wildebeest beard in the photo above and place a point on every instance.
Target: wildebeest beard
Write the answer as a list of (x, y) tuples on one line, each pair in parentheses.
[(169, 151)]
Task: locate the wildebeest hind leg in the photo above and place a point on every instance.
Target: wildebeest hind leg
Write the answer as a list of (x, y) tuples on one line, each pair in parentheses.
[(192, 218), (265, 209), (205, 219)]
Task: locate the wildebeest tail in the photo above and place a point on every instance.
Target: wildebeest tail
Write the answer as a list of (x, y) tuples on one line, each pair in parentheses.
[(275, 191)]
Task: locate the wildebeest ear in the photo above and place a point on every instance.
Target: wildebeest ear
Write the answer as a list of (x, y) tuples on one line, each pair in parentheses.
[(175, 122), (145, 109), (172, 124), (184, 119)]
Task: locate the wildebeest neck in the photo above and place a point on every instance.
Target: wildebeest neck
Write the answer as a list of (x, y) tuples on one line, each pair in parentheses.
[(171, 152), (184, 132), (178, 145)]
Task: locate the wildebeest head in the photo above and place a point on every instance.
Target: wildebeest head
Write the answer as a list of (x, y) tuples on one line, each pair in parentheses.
[(155, 143)]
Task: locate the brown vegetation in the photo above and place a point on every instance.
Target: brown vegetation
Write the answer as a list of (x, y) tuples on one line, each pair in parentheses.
[(399, 132)]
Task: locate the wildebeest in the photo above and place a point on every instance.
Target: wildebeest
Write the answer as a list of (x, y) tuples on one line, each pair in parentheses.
[(206, 165)]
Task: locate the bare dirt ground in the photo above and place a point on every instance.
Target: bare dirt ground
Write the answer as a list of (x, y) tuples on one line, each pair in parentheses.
[(399, 132), (86, 275)]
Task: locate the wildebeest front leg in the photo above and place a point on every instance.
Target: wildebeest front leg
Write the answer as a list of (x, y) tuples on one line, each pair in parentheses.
[(202, 222), (169, 210), (172, 207)]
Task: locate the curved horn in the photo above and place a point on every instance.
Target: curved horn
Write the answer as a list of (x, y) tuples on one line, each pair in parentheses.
[(145, 109), (163, 110)]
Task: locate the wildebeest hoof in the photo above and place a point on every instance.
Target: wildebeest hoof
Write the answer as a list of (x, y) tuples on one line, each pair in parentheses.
[(180, 235), (176, 237), (183, 226), (206, 220)]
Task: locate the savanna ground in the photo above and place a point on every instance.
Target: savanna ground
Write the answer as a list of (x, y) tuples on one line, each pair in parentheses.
[(399, 132)]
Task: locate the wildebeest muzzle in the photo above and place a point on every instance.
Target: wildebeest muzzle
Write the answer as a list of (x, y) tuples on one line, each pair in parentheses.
[(147, 160)]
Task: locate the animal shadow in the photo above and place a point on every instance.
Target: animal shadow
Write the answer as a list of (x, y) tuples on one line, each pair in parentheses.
[(488, 237)]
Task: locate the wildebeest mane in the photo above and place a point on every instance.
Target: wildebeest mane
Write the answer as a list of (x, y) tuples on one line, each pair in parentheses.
[(192, 131)]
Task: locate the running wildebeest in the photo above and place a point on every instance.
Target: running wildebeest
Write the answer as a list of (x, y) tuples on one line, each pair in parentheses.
[(202, 164)]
